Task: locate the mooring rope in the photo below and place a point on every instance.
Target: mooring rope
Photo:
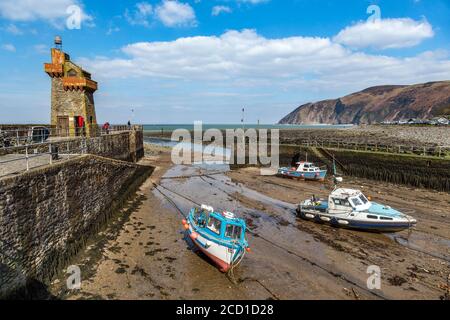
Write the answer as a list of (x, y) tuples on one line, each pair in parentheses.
[(314, 264), (169, 200)]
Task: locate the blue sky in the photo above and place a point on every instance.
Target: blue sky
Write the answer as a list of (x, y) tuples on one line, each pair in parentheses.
[(181, 61)]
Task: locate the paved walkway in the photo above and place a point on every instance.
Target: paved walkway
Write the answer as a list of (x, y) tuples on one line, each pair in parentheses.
[(15, 163)]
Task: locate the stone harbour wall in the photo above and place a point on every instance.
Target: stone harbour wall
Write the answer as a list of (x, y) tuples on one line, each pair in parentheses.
[(47, 214), (126, 146)]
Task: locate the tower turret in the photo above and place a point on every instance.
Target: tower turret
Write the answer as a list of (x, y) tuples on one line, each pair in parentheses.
[(72, 97)]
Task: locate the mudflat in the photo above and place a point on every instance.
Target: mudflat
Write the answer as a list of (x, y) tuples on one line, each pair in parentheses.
[(143, 253)]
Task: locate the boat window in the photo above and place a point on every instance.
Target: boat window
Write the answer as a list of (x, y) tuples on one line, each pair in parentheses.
[(386, 218), (214, 225), (341, 202), (197, 213), (356, 202), (363, 199), (372, 217), (233, 232), (200, 217)]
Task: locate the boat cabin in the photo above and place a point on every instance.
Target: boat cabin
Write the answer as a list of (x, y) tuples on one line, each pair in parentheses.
[(307, 167), (345, 200), (224, 225)]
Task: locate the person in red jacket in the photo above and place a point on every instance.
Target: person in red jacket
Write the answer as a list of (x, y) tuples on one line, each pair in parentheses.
[(106, 127)]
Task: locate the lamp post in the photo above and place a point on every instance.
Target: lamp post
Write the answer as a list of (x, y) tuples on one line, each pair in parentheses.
[(243, 126)]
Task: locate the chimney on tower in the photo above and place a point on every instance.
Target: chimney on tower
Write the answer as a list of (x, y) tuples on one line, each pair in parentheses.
[(58, 43)]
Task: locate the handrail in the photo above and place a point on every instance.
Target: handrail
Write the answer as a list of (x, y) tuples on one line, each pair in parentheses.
[(435, 151), (53, 155), (36, 135), (66, 148)]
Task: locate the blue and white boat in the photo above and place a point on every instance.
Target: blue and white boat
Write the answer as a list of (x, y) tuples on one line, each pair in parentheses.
[(349, 208), (305, 171), (220, 236)]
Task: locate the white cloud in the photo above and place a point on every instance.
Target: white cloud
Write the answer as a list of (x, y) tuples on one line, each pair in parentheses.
[(173, 13), (385, 34), (41, 49), (141, 14), (253, 1), (216, 10), (13, 29), (9, 47), (244, 58), (31, 10)]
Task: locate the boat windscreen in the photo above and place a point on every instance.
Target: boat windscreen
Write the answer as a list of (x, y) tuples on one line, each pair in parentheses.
[(214, 225), (356, 202), (363, 199), (233, 232)]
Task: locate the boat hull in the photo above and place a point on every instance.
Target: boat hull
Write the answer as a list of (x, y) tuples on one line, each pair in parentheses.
[(355, 224), (221, 255), (312, 176), (222, 265)]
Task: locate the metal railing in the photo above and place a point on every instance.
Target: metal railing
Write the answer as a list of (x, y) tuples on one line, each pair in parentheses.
[(425, 151), (34, 156), (19, 137)]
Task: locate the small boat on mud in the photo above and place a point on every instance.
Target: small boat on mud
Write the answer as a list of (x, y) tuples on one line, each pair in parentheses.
[(220, 236), (350, 208), (305, 171)]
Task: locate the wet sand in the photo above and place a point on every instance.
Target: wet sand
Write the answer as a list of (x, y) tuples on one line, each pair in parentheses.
[(143, 253)]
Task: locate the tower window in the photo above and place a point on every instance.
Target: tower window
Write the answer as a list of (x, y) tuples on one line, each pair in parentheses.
[(72, 73)]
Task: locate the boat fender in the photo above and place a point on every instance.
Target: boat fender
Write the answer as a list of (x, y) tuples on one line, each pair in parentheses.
[(326, 219), (186, 227), (343, 222), (248, 249), (183, 222), (310, 216), (194, 235)]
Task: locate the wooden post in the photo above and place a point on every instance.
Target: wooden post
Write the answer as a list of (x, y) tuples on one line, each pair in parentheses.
[(50, 152), (26, 158)]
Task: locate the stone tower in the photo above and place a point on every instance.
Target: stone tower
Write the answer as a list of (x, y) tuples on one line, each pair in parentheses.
[(72, 101)]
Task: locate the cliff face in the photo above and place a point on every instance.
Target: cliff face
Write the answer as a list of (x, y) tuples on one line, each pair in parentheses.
[(377, 104)]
